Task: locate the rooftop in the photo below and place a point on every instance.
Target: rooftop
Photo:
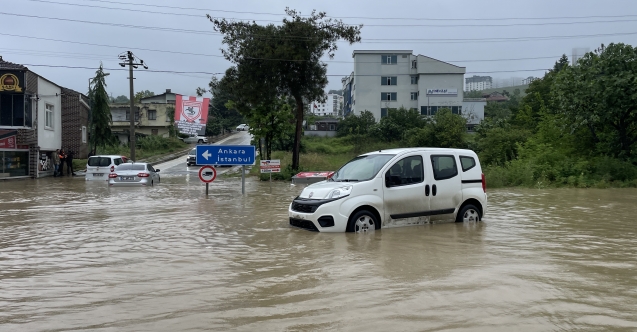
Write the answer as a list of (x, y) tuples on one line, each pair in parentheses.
[(10, 65), (382, 52)]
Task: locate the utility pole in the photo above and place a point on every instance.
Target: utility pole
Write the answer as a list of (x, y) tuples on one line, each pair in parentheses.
[(131, 63)]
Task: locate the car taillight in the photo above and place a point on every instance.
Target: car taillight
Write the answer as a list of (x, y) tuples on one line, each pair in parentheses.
[(112, 175), (143, 175), (112, 169), (484, 183)]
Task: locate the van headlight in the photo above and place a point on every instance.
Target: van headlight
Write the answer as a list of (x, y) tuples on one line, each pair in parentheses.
[(339, 192)]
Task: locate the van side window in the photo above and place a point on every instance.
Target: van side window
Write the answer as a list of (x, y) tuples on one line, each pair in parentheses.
[(407, 171), (118, 161), (444, 167), (467, 163)]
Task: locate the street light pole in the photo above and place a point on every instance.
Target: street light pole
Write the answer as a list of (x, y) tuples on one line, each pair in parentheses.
[(130, 57)]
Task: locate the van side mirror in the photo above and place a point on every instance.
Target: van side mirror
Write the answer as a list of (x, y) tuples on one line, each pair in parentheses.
[(156, 171)]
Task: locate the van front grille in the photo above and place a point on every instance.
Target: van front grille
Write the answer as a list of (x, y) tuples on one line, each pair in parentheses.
[(305, 224)]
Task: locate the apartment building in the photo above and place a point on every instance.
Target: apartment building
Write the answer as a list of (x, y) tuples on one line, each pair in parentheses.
[(330, 107), (478, 83), (387, 79)]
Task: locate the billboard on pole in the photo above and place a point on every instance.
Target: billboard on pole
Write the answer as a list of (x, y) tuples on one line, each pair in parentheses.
[(191, 114)]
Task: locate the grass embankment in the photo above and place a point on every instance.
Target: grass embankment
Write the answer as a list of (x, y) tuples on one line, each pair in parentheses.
[(150, 146), (322, 154), (539, 169)]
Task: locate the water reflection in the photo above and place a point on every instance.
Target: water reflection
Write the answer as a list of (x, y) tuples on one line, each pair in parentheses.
[(81, 255)]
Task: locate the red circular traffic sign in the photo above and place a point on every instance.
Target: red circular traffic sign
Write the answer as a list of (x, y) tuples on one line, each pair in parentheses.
[(207, 174)]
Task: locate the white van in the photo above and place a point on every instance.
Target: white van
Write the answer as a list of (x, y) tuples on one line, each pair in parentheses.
[(397, 187), (100, 167)]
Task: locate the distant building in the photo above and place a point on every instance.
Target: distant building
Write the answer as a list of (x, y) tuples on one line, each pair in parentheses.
[(478, 83), (167, 97), (325, 127), (151, 119), (348, 102), (387, 79), (495, 96), (473, 111), (329, 108), (578, 53), (75, 114)]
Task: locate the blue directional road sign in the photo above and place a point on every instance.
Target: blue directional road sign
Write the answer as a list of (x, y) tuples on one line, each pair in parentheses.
[(226, 154)]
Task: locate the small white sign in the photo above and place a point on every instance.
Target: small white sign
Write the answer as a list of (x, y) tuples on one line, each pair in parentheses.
[(442, 92), (270, 166)]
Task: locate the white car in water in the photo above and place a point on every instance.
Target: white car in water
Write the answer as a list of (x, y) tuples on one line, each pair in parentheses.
[(99, 167), (196, 139), (391, 188), (134, 174)]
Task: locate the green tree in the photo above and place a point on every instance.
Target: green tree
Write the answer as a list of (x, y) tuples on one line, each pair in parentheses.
[(356, 124), (283, 60), (143, 94), (600, 94), (397, 122), (101, 118), (444, 130), (271, 122), (120, 100), (473, 94)]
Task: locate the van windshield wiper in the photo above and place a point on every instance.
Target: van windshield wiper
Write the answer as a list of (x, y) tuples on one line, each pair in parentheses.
[(347, 180)]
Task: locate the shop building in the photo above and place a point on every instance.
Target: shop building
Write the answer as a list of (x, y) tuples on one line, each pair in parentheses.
[(30, 122)]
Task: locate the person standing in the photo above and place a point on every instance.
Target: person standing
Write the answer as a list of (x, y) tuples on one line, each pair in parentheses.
[(56, 162), (62, 161), (69, 163)]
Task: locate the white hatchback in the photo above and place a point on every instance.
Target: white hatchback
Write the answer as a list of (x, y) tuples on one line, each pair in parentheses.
[(100, 167), (391, 188)]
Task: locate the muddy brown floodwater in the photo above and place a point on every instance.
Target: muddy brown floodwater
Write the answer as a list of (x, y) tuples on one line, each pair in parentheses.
[(78, 255)]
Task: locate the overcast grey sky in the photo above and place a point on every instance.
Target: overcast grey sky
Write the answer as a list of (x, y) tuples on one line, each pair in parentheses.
[(404, 25)]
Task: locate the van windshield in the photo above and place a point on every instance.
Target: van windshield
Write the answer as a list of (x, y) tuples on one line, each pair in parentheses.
[(361, 168), (131, 167)]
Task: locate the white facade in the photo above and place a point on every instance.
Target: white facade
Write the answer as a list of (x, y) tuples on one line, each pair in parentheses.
[(49, 117), (478, 83), (396, 78), (329, 108)]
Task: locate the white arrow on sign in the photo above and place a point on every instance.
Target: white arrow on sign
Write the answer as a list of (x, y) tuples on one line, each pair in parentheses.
[(206, 155)]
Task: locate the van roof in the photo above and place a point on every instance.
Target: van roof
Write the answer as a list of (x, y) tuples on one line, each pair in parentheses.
[(407, 150), (106, 155)]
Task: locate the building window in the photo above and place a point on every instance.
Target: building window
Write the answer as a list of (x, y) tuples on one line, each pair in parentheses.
[(456, 109), (48, 116), (388, 80), (414, 64), (332, 127), (84, 134), (414, 80), (128, 115), (414, 96), (423, 110), (152, 115), (383, 112), (433, 110), (388, 96), (15, 110), (389, 59)]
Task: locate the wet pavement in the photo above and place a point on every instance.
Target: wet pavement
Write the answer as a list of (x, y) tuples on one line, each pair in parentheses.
[(78, 255)]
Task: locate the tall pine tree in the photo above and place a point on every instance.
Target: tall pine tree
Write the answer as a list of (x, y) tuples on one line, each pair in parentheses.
[(101, 118)]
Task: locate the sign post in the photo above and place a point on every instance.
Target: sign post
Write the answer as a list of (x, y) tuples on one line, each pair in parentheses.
[(231, 155), (207, 174), (270, 166)]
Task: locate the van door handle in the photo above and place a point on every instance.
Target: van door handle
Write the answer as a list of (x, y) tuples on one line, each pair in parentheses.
[(427, 190), (434, 190)]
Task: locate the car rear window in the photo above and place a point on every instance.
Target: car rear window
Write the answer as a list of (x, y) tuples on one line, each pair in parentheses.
[(131, 167), (467, 163), (99, 161)]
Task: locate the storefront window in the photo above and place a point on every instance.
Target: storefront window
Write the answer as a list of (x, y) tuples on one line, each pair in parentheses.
[(13, 110), (14, 163)]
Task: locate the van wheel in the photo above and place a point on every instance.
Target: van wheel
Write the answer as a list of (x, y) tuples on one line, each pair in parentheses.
[(200, 141), (468, 213), (362, 222)]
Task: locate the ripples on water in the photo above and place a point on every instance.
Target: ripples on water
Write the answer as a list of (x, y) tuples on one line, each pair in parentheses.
[(78, 255)]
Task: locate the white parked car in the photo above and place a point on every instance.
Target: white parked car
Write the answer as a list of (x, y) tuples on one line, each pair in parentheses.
[(134, 174), (99, 167), (242, 127), (196, 139), (397, 187)]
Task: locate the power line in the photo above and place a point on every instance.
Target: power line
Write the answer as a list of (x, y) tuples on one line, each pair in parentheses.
[(210, 73), (98, 57), (481, 25), (373, 40), (367, 18)]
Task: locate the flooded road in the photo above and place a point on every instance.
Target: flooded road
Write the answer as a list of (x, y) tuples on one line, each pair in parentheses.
[(78, 255)]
